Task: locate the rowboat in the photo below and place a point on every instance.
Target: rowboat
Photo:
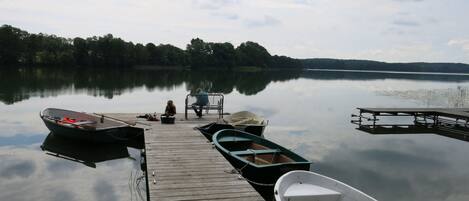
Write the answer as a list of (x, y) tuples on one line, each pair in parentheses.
[(84, 152), (304, 185), (244, 121), (209, 129), (91, 127), (260, 161)]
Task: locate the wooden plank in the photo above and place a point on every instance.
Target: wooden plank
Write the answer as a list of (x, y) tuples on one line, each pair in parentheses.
[(186, 165)]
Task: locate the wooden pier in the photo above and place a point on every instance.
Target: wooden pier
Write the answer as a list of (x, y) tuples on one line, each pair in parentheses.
[(183, 165), (449, 122)]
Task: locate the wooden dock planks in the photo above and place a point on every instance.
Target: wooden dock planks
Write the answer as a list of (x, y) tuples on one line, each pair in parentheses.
[(186, 166)]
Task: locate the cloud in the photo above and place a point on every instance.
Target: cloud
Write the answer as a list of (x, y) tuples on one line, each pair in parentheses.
[(304, 2), (105, 191), (214, 4), (20, 139), (228, 16), (63, 195), (17, 169), (408, 0), (405, 52), (408, 23), (462, 43), (266, 21)]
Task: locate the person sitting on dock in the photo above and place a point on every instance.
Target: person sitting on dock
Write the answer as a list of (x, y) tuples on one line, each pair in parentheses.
[(201, 101), (170, 109)]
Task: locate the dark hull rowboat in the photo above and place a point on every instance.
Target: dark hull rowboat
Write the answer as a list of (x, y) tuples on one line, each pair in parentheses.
[(260, 161), (83, 126), (243, 121)]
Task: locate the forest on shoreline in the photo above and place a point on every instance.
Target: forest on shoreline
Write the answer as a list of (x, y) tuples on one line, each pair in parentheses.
[(20, 48)]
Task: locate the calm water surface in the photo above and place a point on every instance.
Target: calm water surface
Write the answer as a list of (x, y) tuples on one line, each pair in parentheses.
[(309, 112)]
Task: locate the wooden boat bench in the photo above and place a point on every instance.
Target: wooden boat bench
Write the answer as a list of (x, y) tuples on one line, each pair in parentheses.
[(235, 139), (215, 102), (256, 152)]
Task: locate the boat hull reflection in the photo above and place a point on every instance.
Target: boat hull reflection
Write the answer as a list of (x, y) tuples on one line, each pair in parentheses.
[(85, 152)]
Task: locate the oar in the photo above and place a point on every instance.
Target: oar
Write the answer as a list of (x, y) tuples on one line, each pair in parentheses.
[(130, 124)]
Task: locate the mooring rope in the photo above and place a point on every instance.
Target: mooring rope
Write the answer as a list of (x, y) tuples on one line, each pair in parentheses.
[(240, 171)]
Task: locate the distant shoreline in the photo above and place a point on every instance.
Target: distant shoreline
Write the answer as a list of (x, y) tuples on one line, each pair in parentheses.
[(387, 72)]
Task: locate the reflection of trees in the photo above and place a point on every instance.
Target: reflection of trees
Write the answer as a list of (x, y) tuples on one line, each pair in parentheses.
[(336, 75), (248, 83), (451, 97), (17, 85)]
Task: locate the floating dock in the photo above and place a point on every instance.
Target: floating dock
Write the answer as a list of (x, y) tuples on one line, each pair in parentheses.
[(183, 165), (449, 122)]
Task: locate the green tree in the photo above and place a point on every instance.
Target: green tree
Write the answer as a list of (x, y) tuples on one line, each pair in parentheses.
[(224, 55), (199, 53), (11, 44), (252, 54), (171, 56)]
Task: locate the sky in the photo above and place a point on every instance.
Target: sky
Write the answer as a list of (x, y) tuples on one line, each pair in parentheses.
[(384, 30)]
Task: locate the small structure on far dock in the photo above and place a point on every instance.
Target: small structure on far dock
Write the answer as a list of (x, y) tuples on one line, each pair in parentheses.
[(449, 122)]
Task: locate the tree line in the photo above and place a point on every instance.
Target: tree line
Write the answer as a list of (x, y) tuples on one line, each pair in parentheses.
[(18, 47), (319, 63)]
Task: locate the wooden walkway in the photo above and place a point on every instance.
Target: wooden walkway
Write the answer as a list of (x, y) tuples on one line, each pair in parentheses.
[(182, 165), (449, 122), (461, 113)]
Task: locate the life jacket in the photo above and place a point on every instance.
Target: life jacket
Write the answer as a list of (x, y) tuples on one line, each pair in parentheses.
[(68, 120)]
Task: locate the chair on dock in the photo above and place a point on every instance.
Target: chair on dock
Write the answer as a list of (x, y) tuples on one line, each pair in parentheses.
[(215, 102)]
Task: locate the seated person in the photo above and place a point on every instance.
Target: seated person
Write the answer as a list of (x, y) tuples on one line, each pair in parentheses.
[(201, 101), (170, 109)]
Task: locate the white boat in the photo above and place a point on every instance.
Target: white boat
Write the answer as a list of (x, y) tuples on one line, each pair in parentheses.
[(302, 185), (247, 121)]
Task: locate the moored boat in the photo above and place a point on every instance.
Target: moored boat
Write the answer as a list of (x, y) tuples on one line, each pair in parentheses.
[(209, 129), (244, 121), (305, 185), (83, 126), (260, 161)]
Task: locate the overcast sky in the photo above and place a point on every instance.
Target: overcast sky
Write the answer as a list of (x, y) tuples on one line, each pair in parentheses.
[(386, 30)]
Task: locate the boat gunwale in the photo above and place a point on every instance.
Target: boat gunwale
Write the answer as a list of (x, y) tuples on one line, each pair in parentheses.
[(317, 175), (74, 126)]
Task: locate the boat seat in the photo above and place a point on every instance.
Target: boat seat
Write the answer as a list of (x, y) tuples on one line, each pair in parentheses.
[(256, 152), (84, 122), (234, 139), (302, 191)]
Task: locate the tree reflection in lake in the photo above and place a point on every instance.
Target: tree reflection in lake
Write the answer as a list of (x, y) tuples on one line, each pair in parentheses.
[(18, 85)]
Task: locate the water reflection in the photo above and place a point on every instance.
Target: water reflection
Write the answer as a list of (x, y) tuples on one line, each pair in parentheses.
[(460, 133), (26, 173), (84, 152), (383, 171), (308, 113), (358, 75), (450, 97), (14, 169), (18, 85)]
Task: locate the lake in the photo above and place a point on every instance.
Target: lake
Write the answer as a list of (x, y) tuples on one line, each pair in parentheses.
[(308, 112)]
